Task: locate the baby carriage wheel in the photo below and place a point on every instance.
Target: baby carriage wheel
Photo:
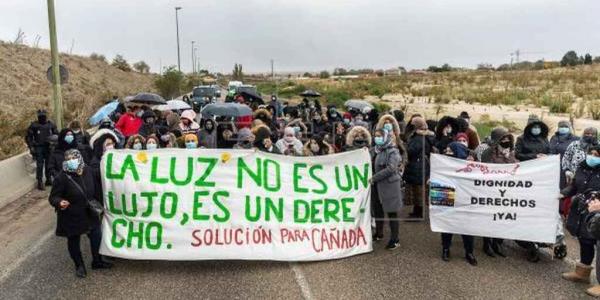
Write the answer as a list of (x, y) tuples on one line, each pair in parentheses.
[(560, 251)]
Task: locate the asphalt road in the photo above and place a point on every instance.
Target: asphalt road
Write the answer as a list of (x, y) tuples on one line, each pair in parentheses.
[(34, 264)]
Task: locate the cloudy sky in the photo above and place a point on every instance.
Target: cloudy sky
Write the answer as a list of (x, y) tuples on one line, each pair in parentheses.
[(313, 34)]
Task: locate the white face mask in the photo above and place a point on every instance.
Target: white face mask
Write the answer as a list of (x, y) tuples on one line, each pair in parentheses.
[(151, 146), (137, 146), (314, 148)]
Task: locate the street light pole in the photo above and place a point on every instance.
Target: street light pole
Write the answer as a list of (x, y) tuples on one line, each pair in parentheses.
[(56, 95), (177, 8), (193, 60)]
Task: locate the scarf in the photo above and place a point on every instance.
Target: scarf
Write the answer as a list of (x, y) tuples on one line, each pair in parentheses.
[(73, 154)]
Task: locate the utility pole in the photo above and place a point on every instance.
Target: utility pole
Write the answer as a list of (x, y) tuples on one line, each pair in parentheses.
[(193, 59), (272, 70), (177, 8), (56, 95)]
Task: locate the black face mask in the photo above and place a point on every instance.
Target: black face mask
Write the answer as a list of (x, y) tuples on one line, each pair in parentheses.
[(42, 119), (589, 139), (505, 144), (360, 143)]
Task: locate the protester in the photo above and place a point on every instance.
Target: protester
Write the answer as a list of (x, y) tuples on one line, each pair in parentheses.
[(276, 106), (585, 181), (445, 131), (152, 142), (416, 173), (533, 143), (339, 137), (559, 143), (458, 150), (388, 184), (168, 140), (66, 140), (135, 142), (187, 124), (130, 122), (289, 144), (357, 138), (576, 152), (149, 124), (245, 139), (39, 148), (501, 150), (190, 141), (593, 226), (207, 136), (71, 192), (319, 123), (333, 116), (316, 146), (471, 131), (399, 116)]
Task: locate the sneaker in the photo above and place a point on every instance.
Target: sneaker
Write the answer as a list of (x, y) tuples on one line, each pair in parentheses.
[(392, 244), (446, 254), (377, 237), (101, 265)]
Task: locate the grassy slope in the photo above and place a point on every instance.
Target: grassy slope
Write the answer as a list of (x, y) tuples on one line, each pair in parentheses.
[(24, 89)]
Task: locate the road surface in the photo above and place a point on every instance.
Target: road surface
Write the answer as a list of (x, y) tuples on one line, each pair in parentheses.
[(35, 264)]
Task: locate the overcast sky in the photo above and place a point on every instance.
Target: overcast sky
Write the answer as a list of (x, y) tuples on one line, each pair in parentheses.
[(313, 34)]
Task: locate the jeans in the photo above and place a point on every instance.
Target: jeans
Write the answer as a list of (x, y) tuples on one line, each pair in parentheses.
[(468, 242), (73, 244), (42, 154), (379, 214), (586, 251)]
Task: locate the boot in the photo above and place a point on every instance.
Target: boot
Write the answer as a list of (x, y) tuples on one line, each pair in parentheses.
[(417, 212), (498, 249), (533, 255), (446, 254), (49, 181), (594, 291), (581, 274), (487, 249), (40, 185), (471, 259), (80, 271), (99, 263)]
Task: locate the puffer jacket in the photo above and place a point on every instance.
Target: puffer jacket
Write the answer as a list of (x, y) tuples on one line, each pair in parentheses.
[(529, 146), (357, 133), (493, 153)]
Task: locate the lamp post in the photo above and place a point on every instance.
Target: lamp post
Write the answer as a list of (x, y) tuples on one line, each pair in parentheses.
[(177, 8), (193, 59)]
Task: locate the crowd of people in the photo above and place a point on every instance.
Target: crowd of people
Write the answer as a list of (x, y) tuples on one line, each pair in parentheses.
[(69, 161)]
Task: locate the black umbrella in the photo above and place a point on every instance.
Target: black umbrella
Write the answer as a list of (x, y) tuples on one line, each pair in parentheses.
[(226, 110), (148, 98), (357, 104), (310, 93), (252, 96)]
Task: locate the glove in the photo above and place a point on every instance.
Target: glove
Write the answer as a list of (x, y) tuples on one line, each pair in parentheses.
[(569, 174)]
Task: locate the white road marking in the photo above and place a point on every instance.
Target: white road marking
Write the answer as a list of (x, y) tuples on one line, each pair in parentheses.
[(30, 251), (301, 281)]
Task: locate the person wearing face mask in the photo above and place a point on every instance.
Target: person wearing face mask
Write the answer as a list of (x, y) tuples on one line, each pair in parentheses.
[(576, 152), (319, 123), (357, 137), (130, 122), (533, 143), (316, 146), (149, 127), (152, 142), (39, 148), (190, 141), (333, 116), (245, 139), (445, 131), (559, 143), (187, 124), (83, 140), (387, 182), (135, 142), (389, 123), (359, 121), (263, 141), (586, 180), (420, 145), (168, 140), (463, 139), (340, 137), (470, 130), (208, 135), (72, 189), (500, 151), (347, 119), (66, 140), (102, 141), (294, 120), (289, 144), (458, 150)]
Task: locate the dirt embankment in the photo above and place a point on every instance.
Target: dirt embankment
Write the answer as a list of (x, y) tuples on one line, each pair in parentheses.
[(24, 89)]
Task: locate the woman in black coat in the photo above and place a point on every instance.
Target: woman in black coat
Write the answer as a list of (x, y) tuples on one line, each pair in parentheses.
[(587, 178), (71, 190), (66, 140)]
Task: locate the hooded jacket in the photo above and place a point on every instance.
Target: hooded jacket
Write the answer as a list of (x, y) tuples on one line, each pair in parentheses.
[(442, 140), (357, 133), (192, 127), (493, 154), (419, 147), (149, 128), (529, 146), (208, 138), (55, 162)]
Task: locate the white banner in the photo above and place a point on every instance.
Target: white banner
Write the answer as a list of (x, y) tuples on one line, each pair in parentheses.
[(179, 204), (512, 201)]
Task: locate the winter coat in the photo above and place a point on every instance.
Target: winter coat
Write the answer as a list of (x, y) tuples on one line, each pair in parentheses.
[(357, 133), (282, 146), (593, 225), (558, 145), (57, 156), (207, 139), (129, 124), (573, 157), (442, 140), (387, 178), (586, 178), (493, 153), (397, 136), (529, 146), (75, 219), (419, 147), (576, 220)]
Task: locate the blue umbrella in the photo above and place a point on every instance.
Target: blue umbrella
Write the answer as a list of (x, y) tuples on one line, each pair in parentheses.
[(103, 112)]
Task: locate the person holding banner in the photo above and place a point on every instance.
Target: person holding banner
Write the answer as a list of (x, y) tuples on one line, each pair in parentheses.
[(587, 179), (71, 192), (501, 150), (458, 150), (576, 152), (387, 182)]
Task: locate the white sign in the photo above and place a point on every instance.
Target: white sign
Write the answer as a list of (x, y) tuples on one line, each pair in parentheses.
[(179, 204), (512, 201)]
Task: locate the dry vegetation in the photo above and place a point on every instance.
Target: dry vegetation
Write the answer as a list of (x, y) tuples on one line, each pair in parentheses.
[(24, 89)]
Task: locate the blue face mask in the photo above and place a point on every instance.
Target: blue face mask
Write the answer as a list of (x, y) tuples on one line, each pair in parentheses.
[(69, 138), (72, 164), (190, 145), (151, 146), (536, 131), (592, 161), (388, 127), (564, 130), (379, 140)]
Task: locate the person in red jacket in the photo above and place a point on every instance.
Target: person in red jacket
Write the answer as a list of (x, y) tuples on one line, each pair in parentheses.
[(130, 123)]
